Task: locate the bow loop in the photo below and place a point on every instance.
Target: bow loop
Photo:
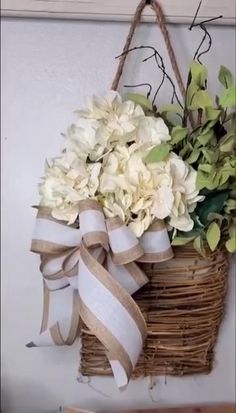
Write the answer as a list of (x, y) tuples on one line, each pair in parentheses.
[(92, 224), (53, 237), (124, 245)]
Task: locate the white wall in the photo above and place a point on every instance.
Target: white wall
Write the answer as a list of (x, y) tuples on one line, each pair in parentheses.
[(47, 69)]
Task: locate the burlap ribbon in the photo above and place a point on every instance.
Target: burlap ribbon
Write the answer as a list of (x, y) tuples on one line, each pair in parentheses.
[(91, 273)]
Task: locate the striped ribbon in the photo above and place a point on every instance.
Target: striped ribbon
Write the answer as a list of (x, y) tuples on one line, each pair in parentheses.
[(90, 273)]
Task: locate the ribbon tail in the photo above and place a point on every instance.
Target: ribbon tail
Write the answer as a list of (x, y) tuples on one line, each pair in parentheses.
[(60, 319), (129, 276), (111, 314), (119, 360)]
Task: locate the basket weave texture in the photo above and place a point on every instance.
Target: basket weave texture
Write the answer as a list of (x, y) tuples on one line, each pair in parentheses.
[(183, 305)]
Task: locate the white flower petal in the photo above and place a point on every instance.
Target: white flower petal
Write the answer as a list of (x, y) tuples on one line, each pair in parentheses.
[(182, 223), (137, 228), (66, 214), (163, 202), (153, 131)]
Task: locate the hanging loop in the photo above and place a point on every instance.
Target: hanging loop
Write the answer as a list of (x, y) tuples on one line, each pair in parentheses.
[(162, 24)]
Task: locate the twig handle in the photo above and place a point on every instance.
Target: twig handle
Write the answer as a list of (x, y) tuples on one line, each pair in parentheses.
[(162, 24)]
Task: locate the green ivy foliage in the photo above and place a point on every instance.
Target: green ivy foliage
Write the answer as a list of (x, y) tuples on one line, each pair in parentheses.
[(210, 148)]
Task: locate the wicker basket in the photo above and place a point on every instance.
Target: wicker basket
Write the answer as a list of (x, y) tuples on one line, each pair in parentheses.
[(183, 305)]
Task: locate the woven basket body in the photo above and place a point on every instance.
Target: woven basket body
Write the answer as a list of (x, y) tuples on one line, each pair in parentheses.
[(183, 305)]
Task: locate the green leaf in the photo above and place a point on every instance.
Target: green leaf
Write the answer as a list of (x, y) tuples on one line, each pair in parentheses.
[(182, 240), (226, 171), (224, 177), (232, 230), (193, 156), (185, 150), (223, 187), (228, 97), (225, 77), (141, 100), (198, 73), (233, 122), (202, 180), (230, 205), (191, 92), (212, 114), (210, 155), (209, 181), (172, 108), (229, 117), (200, 100), (214, 181), (178, 134), (205, 167), (199, 246), (208, 126), (231, 243), (206, 137), (213, 203), (213, 235), (228, 143), (158, 153)]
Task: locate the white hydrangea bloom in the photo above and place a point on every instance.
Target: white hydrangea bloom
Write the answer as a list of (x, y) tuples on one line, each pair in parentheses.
[(67, 181), (175, 195), (127, 188), (99, 107), (118, 120), (152, 131), (81, 138)]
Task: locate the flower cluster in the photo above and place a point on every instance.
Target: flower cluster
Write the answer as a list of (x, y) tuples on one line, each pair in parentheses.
[(106, 158)]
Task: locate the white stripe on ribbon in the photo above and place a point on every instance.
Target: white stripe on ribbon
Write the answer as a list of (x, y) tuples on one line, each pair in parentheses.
[(122, 276), (54, 265), (92, 221), (119, 373), (54, 285), (122, 239), (155, 241), (61, 305), (110, 312), (60, 310), (51, 231)]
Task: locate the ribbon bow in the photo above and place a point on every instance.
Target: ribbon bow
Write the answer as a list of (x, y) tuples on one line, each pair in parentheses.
[(90, 273)]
